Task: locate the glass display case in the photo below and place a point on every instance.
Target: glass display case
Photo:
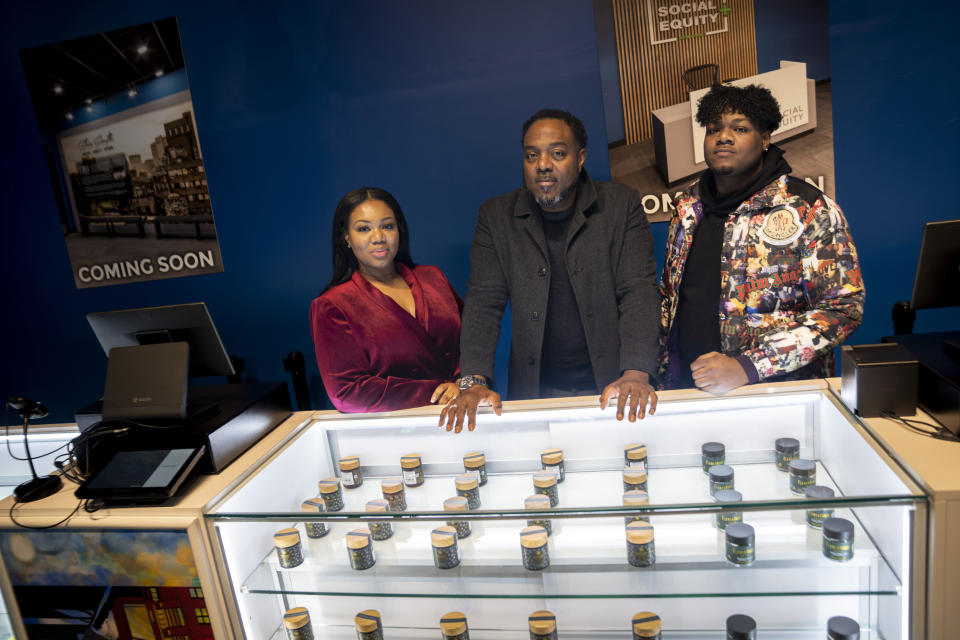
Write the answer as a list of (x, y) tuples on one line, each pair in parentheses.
[(597, 579)]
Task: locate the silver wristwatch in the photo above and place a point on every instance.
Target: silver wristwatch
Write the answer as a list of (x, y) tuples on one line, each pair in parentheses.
[(466, 382)]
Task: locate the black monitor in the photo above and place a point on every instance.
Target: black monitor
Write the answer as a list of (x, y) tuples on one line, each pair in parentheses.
[(190, 323), (937, 281)]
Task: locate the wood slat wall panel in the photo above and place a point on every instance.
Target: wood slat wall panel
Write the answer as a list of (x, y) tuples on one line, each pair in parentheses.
[(651, 75)]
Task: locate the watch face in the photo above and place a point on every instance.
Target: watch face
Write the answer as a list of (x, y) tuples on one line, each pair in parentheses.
[(468, 381)]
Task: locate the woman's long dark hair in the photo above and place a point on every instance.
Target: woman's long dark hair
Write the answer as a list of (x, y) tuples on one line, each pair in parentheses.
[(344, 262)]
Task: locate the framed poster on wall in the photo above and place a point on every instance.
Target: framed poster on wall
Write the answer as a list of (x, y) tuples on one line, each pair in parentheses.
[(117, 110)]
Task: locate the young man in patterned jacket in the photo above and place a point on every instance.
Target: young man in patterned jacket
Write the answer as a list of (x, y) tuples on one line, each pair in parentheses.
[(761, 280)]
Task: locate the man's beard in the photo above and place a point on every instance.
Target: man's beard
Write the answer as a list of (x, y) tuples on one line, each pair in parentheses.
[(546, 202)]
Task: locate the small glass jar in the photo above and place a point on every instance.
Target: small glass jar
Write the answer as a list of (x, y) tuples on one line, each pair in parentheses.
[(786, 450), (458, 504), (545, 482), (543, 625), (360, 549), (296, 622), (468, 486), (552, 460), (816, 516), (712, 454), (314, 529), (726, 518), (538, 502), (636, 498), (640, 547), (646, 626), (453, 626), (741, 547), (476, 462), (446, 552), (803, 474), (379, 530), (838, 539), (842, 628), (331, 493), (741, 627), (368, 625), (289, 549), (350, 474), (533, 548), (411, 467), (394, 493), (634, 479), (721, 477), (635, 456)]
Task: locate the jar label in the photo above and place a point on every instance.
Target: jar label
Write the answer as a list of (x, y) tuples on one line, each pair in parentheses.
[(816, 518), (740, 554), (799, 484), (838, 550), (555, 468), (707, 462), (784, 459), (410, 476), (730, 517), (640, 555)]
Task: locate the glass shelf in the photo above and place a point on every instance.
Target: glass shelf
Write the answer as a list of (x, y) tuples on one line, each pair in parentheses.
[(677, 489), (408, 633), (588, 560)]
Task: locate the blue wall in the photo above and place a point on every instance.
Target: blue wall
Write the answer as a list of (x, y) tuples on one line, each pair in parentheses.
[(298, 103), (896, 133)]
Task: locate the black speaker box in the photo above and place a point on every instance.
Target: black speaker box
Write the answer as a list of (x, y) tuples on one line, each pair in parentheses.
[(879, 377)]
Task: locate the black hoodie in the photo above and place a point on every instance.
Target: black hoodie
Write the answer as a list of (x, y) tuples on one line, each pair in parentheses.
[(698, 326)]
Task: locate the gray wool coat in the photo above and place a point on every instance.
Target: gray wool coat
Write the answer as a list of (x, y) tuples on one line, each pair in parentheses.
[(611, 268)]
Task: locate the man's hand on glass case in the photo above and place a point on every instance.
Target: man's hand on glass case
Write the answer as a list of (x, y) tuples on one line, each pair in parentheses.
[(464, 407), (635, 386)]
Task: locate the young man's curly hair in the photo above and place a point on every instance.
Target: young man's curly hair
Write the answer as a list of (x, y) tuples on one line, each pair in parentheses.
[(753, 101)]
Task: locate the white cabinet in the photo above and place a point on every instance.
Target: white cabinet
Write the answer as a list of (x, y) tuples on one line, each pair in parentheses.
[(790, 590)]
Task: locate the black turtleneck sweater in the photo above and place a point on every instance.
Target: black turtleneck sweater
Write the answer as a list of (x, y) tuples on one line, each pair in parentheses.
[(698, 326), (564, 360)]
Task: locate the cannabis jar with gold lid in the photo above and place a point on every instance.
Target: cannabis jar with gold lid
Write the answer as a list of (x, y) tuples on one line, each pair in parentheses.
[(368, 625), (360, 549), (545, 482), (453, 626), (542, 625), (314, 529), (379, 530), (296, 622), (289, 549), (533, 547), (538, 502)]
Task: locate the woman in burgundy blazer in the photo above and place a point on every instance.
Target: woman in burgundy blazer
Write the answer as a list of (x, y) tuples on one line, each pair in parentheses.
[(386, 331)]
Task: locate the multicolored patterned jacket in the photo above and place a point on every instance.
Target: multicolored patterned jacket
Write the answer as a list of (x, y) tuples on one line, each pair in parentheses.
[(790, 283)]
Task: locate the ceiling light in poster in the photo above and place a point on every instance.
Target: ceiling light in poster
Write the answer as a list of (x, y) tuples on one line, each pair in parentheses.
[(125, 155)]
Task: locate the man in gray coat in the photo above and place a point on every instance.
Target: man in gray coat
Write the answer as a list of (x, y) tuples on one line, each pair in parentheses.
[(574, 257)]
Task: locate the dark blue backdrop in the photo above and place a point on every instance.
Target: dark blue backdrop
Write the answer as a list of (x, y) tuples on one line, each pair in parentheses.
[(297, 103)]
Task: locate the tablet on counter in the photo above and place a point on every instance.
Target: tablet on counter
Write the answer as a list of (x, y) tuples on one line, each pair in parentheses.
[(142, 476)]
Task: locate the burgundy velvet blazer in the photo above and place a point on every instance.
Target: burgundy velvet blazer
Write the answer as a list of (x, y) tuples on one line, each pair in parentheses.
[(373, 355)]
